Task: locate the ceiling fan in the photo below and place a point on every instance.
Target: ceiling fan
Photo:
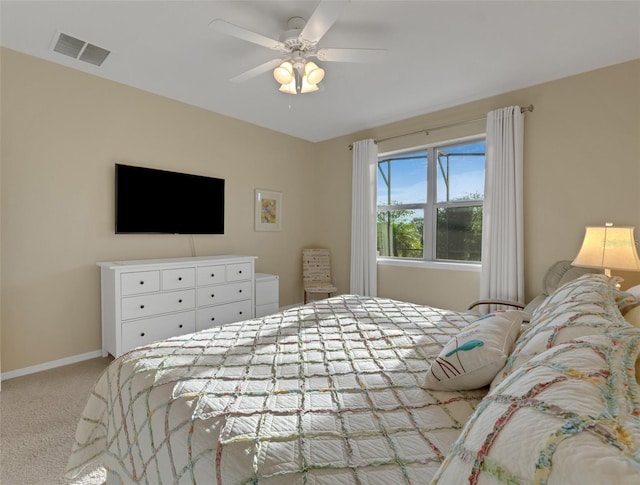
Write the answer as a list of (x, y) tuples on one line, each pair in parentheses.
[(294, 69)]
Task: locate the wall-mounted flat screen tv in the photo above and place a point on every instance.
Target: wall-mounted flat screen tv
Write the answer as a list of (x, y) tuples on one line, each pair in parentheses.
[(151, 201)]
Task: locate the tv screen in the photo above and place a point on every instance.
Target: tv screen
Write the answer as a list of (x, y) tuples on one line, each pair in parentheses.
[(151, 201)]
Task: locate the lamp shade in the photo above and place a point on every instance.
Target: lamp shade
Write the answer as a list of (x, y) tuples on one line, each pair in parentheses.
[(298, 77), (313, 73), (283, 73), (307, 87), (289, 88), (610, 248)]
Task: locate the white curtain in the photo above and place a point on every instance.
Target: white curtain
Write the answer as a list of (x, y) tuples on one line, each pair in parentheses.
[(502, 225), (363, 219)]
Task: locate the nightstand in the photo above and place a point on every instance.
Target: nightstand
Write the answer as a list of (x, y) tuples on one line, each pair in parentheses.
[(266, 294)]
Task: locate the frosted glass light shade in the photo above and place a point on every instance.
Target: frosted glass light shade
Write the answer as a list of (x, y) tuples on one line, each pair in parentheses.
[(284, 73), (289, 88), (307, 87), (294, 80), (313, 73), (610, 248)]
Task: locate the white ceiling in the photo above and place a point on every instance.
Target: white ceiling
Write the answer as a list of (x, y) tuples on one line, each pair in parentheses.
[(439, 54)]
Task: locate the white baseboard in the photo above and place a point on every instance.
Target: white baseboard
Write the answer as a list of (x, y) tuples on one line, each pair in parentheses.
[(50, 365), (73, 359)]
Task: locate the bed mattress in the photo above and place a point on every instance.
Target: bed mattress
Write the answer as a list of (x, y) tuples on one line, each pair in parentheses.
[(330, 392)]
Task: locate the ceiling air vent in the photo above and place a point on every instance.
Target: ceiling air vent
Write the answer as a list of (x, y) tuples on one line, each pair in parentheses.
[(79, 49)]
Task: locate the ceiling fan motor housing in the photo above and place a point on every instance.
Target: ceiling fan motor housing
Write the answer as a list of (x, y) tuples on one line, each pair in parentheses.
[(292, 40), (296, 23)]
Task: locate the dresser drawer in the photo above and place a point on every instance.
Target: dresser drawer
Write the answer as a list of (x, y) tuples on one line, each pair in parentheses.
[(139, 282), (145, 331), (146, 305), (210, 275), (221, 314), (176, 279), (266, 309), (148, 300), (267, 289), (238, 271), (213, 295)]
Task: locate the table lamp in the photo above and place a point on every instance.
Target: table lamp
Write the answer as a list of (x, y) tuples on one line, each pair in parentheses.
[(609, 248)]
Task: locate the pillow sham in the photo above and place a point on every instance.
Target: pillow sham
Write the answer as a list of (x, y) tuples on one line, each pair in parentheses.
[(585, 306), (570, 415), (627, 299), (474, 356), (632, 317)]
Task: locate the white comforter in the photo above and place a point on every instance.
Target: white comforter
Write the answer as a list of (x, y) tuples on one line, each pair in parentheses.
[(331, 392)]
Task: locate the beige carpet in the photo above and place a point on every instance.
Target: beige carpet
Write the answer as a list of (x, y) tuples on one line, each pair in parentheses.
[(38, 417)]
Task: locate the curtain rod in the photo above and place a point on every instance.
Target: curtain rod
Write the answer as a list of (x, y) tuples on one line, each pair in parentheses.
[(451, 125)]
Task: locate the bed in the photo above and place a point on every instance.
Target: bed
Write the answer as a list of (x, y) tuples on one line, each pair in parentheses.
[(330, 392), (343, 391)]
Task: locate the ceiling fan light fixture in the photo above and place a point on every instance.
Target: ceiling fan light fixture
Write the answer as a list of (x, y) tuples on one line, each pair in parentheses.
[(297, 44), (284, 73), (313, 73), (289, 88), (303, 80), (307, 87), (298, 79)]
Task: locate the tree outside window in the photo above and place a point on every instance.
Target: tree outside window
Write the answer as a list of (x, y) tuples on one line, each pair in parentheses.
[(432, 211)]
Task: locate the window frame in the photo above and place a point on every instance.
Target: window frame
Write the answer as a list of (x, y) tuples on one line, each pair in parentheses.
[(430, 208)]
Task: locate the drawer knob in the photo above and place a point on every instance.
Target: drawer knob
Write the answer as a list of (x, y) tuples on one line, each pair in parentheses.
[(213, 319), (240, 313), (212, 295), (240, 272), (179, 278), (142, 334), (213, 275), (180, 300), (180, 326), (142, 282), (141, 306), (239, 291)]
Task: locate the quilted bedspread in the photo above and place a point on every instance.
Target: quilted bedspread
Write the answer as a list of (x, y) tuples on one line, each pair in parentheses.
[(330, 392)]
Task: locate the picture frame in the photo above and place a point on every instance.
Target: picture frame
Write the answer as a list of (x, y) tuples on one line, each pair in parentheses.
[(268, 210)]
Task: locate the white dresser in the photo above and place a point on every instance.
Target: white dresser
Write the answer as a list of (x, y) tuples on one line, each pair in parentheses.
[(153, 299)]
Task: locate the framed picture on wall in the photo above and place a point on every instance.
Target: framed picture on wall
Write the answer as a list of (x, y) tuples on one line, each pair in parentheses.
[(268, 212)]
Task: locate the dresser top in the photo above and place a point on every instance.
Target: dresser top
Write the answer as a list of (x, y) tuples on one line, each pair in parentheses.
[(195, 261)]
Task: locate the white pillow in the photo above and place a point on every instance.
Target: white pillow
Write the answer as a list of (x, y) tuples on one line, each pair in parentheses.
[(472, 358), (635, 291), (567, 416), (588, 305), (633, 317)]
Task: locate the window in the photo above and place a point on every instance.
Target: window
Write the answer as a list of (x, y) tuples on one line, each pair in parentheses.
[(430, 202)]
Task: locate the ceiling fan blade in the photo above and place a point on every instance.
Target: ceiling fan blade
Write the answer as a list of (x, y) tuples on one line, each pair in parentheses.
[(256, 71), (321, 20), (225, 27), (351, 55)]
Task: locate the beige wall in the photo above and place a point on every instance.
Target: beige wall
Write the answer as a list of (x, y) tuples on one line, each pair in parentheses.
[(582, 167), (62, 132), (1, 153)]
